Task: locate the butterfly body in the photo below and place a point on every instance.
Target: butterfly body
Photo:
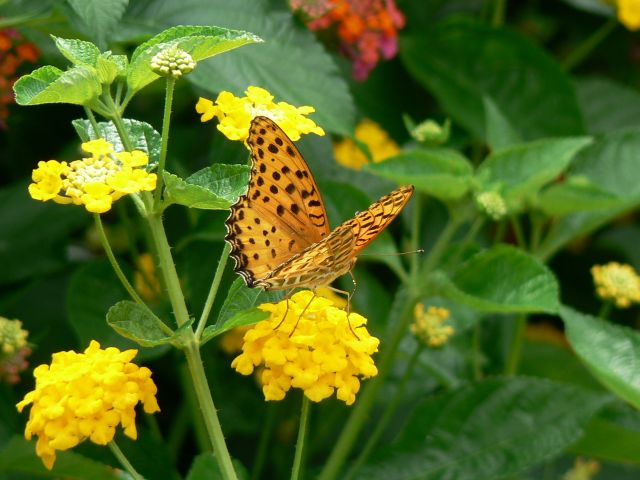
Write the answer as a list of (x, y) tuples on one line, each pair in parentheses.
[(279, 230)]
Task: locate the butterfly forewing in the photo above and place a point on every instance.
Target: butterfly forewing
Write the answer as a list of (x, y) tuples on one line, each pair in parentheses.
[(282, 212), (367, 225)]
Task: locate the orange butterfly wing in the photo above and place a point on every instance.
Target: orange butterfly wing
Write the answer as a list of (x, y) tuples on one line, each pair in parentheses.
[(279, 231), (282, 212)]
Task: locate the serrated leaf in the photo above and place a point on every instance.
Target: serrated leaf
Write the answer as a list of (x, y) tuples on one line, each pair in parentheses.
[(500, 133), (443, 173), (200, 42), (18, 458), (78, 85), (503, 279), (99, 16), (241, 298), (292, 64), (213, 188), (493, 429), (107, 69), (142, 136), (462, 60), (77, 51), (240, 319), (574, 196), (521, 170), (135, 322), (606, 105), (609, 351)]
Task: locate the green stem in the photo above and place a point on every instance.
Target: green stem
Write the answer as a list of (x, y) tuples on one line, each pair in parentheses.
[(443, 241), (265, 438), (122, 277), (577, 56), (469, 236), (191, 348), (537, 224), (124, 461), (92, 121), (296, 471), (166, 122), (515, 349), (168, 269), (388, 413), (477, 336), (500, 231), (605, 310), (499, 11), (116, 118), (208, 409), (415, 237), (360, 414), (213, 290), (517, 229), (114, 263)]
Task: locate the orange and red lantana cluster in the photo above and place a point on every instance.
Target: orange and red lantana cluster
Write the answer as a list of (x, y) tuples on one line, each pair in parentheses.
[(367, 29), (14, 51)]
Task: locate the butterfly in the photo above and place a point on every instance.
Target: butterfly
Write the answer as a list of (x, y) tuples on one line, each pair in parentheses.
[(279, 232)]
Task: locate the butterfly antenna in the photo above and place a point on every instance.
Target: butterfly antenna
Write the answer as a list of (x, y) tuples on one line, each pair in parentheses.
[(419, 251)]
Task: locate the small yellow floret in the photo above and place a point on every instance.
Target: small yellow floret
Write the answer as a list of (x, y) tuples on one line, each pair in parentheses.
[(629, 13), (378, 142), (235, 114), (428, 326), (96, 181), (582, 470), (86, 395), (314, 349), (617, 282)]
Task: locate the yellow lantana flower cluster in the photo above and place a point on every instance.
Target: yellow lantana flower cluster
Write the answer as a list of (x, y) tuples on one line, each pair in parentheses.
[(314, 348), (95, 182), (428, 326), (235, 114), (617, 282), (629, 13), (86, 395), (380, 146)]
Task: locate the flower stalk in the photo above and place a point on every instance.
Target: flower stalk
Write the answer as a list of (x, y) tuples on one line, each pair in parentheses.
[(124, 461), (296, 471)]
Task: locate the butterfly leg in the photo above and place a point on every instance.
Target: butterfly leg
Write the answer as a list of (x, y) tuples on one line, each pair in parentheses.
[(302, 313), (286, 311)]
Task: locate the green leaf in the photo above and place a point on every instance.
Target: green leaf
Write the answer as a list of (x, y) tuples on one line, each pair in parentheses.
[(142, 136), (239, 309), (205, 467), (443, 173), (607, 105), (213, 188), (240, 319), (608, 440), (77, 51), (23, 252), (292, 64), (241, 298), (461, 61), (612, 163), (492, 429), (18, 459), (136, 323), (93, 289), (34, 234), (200, 42), (109, 68), (521, 170), (575, 195), (78, 85), (611, 352), (500, 133), (503, 279), (100, 17)]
